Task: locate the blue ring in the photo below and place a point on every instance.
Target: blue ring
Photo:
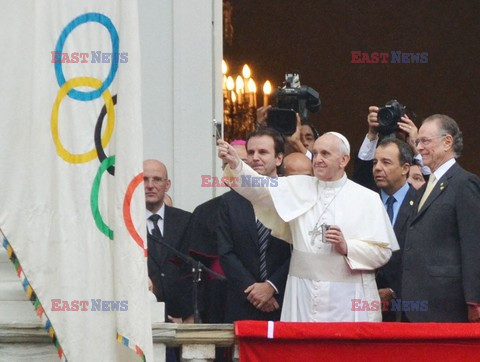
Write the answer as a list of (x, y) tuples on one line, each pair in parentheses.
[(85, 18)]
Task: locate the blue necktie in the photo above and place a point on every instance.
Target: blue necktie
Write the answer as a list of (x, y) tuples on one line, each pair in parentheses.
[(390, 201)]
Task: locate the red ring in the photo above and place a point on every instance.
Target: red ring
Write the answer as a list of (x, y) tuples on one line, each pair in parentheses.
[(127, 216)]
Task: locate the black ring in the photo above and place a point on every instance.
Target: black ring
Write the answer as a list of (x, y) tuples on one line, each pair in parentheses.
[(98, 136)]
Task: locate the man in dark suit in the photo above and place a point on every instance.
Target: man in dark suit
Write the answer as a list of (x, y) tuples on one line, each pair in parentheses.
[(170, 277), (203, 246), (391, 166), (202, 241), (255, 263), (442, 246)]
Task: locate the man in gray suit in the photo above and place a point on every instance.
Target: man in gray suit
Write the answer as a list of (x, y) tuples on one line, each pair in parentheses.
[(442, 246)]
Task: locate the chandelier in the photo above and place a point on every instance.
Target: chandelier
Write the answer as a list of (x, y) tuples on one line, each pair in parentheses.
[(240, 102)]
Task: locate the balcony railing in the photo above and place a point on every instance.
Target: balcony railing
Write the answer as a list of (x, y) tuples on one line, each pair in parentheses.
[(22, 337)]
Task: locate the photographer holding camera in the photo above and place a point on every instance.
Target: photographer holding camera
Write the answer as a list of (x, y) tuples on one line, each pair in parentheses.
[(404, 129), (289, 117), (294, 142), (301, 141), (390, 121)]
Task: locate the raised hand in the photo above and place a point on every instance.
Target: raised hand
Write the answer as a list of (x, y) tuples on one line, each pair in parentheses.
[(228, 154)]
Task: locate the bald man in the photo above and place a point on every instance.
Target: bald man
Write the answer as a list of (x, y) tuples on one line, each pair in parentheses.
[(297, 163), (168, 224), (328, 220)]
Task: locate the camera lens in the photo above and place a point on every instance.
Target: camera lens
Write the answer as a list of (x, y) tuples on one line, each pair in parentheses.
[(389, 116), (385, 117)]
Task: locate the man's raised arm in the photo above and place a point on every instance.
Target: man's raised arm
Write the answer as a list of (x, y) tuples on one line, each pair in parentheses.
[(248, 183)]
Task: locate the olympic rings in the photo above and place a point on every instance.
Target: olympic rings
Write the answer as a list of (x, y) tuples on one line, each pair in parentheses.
[(100, 141), (98, 130), (85, 18), (127, 215), (90, 155), (106, 163)]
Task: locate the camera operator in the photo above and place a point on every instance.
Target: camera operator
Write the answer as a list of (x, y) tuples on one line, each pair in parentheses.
[(308, 134), (301, 140), (289, 116), (262, 114), (406, 131)]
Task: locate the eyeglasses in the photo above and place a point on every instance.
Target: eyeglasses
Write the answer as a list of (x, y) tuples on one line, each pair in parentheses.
[(154, 180), (426, 141)]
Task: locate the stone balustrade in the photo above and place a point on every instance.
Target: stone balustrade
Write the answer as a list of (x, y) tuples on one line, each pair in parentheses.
[(197, 341), (23, 338)]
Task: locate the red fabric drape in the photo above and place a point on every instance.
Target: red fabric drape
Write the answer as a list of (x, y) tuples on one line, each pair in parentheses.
[(358, 341)]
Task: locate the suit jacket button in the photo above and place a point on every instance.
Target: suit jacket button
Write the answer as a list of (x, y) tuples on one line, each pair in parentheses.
[(162, 274)]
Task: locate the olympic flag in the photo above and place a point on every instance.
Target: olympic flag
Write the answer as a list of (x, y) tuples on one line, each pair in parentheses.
[(72, 208)]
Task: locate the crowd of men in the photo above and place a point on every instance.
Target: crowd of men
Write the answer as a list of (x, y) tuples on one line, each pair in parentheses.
[(397, 242)]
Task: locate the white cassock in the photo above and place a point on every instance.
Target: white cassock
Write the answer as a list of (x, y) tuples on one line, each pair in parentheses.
[(322, 284)]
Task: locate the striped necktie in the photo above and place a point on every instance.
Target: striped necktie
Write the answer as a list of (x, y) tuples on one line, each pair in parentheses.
[(263, 236)]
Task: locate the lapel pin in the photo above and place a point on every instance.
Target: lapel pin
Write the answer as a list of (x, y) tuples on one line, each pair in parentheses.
[(411, 203), (442, 186)]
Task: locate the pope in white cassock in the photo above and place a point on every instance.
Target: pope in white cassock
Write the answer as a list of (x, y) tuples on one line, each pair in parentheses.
[(339, 231)]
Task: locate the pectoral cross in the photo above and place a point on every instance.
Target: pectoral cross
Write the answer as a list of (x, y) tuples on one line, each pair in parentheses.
[(318, 230), (313, 234)]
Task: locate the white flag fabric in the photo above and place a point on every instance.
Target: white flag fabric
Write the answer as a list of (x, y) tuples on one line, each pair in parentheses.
[(72, 206)]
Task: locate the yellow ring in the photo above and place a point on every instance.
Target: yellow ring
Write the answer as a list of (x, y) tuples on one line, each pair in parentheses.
[(63, 91)]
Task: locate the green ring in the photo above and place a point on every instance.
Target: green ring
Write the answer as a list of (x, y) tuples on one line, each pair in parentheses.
[(106, 163)]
